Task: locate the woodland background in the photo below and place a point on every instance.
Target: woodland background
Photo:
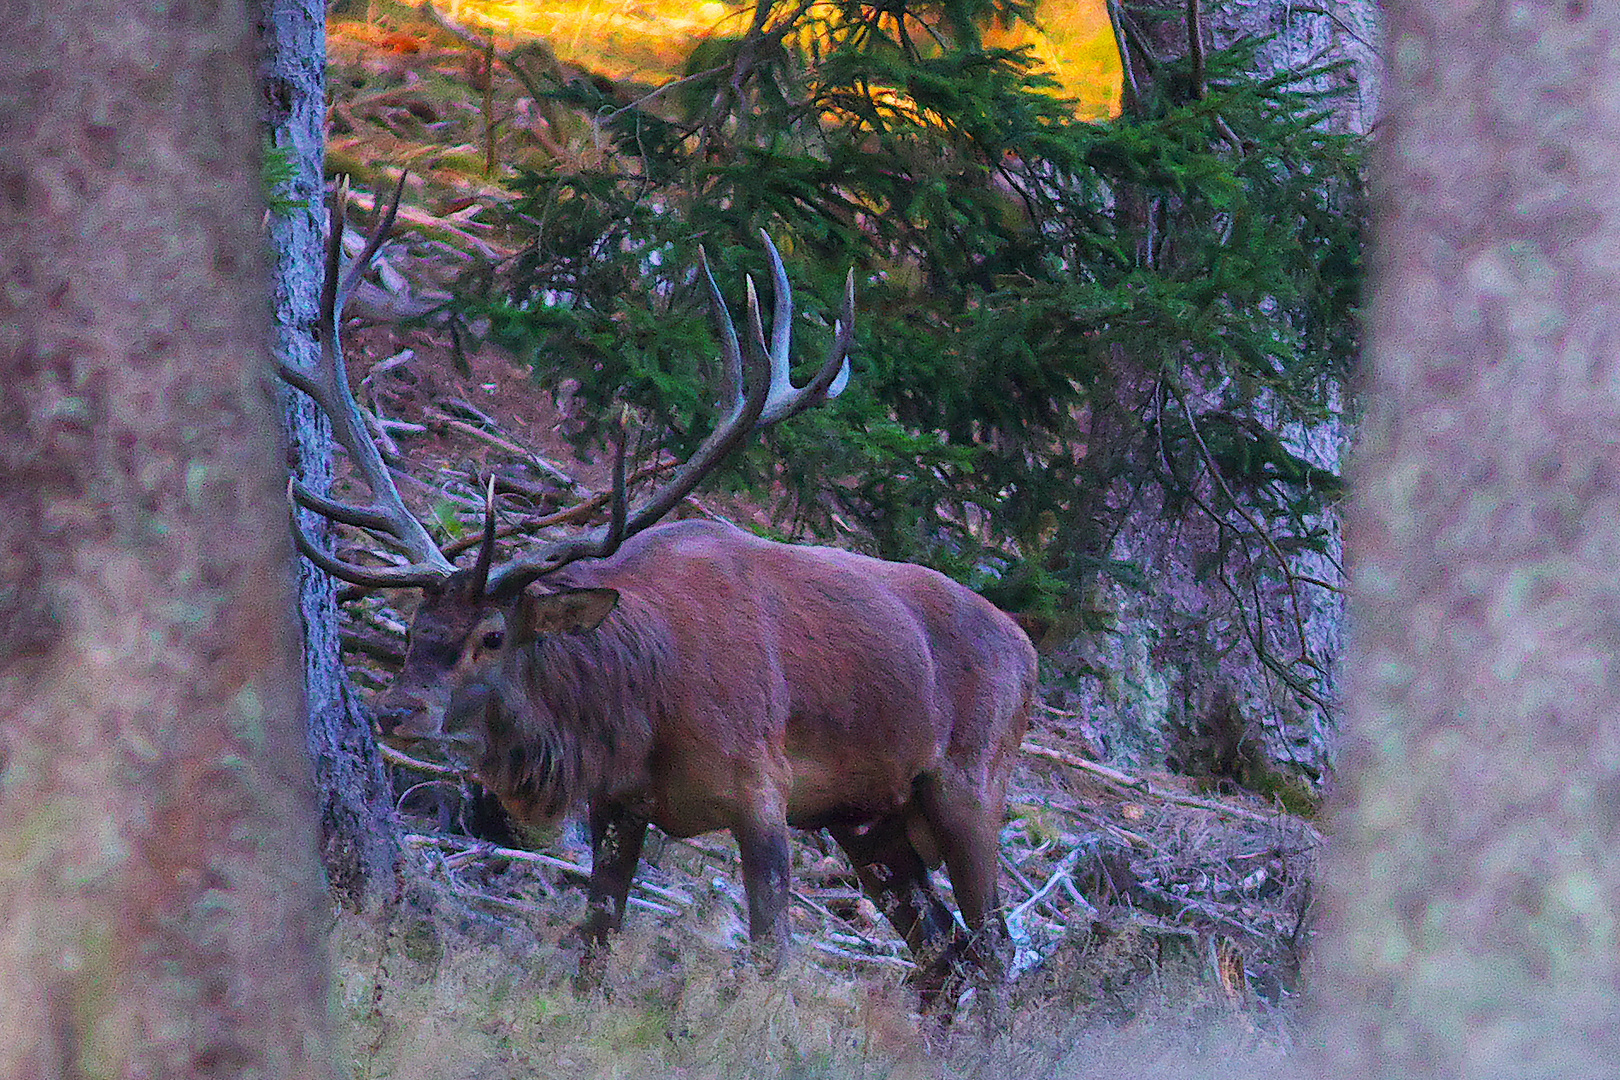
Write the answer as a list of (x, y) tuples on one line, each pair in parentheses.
[(1103, 377)]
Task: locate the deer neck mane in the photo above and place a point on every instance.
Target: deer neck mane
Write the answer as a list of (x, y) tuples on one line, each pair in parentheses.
[(575, 720)]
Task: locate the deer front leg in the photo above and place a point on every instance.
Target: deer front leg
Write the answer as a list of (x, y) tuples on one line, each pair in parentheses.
[(616, 839), (762, 841)]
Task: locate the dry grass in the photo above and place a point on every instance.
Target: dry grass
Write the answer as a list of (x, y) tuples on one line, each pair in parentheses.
[(440, 990)]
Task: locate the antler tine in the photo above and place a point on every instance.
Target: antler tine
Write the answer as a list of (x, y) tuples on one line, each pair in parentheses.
[(337, 220), (371, 577), (374, 243), (785, 399), (833, 376), (328, 386), (781, 322), (366, 517), (741, 417), (745, 415), (619, 515), (486, 545), (769, 397), (731, 388)]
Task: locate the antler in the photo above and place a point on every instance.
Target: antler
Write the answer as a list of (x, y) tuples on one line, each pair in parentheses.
[(770, 396), (759, 396), (328, 385)]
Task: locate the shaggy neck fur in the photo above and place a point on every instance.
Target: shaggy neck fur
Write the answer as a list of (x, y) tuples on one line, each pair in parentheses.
[(570, 717)]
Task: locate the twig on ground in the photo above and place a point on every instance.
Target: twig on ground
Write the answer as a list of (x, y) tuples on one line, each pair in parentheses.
[(1065, 866), (1141, 786), (395, 757), (1186, 904), (1036, 893)]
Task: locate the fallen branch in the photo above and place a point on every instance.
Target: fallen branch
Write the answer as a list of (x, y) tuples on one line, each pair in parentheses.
[(853, 957), (457, 228), (503, 903), (539, 858), (719, 854), (379, 646), (394, 757), (1139, 785), (832, 918), (439, 419), (1135, 839)]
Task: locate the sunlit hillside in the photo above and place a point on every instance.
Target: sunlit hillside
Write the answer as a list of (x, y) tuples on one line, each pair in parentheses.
[(1076, 41), (648, 40)]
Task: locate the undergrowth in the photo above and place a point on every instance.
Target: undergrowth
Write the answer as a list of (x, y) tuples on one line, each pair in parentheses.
[(435, 991)]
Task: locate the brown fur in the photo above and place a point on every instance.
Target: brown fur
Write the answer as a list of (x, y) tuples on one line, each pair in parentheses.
[(745, 684), (559, 710)]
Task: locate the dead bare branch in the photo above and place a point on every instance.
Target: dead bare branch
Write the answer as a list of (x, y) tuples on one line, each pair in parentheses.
[(1140, 786)]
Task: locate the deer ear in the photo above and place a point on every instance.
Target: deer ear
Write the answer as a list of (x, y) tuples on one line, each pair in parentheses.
[(564, 611)]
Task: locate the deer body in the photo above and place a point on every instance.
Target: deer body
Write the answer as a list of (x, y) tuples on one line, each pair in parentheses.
[(697, 677), (742, 684)]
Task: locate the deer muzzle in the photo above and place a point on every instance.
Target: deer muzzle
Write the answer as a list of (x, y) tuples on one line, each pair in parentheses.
[(402, 717)]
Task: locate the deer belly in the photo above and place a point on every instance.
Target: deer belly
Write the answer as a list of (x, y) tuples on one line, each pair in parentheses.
[(851, 787), (811, 790), (686, 805)]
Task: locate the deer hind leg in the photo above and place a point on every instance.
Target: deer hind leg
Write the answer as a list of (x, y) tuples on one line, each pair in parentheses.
[(616, 839), (896, 878), (966, 820)]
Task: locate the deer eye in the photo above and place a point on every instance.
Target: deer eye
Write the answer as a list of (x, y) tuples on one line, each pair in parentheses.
[(493, 639)]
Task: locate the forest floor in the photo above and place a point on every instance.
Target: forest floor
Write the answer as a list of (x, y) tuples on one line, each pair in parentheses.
[(1160, 928)]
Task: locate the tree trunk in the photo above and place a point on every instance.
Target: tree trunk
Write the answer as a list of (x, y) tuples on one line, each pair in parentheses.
[(1184, 677), (358, 839), (160, 903), (1473, 894), (1302, 35)]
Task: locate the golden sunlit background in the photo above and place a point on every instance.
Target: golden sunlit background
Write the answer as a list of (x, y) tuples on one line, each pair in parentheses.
[(648, 40)]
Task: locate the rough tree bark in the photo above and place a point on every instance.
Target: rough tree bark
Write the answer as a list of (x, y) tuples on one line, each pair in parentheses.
[(358, 841), (160, 903), (1298, 36), (1181, 666), (1473, 893)]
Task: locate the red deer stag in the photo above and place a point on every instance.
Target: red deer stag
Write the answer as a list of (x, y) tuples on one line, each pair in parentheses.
[(696, 677)]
